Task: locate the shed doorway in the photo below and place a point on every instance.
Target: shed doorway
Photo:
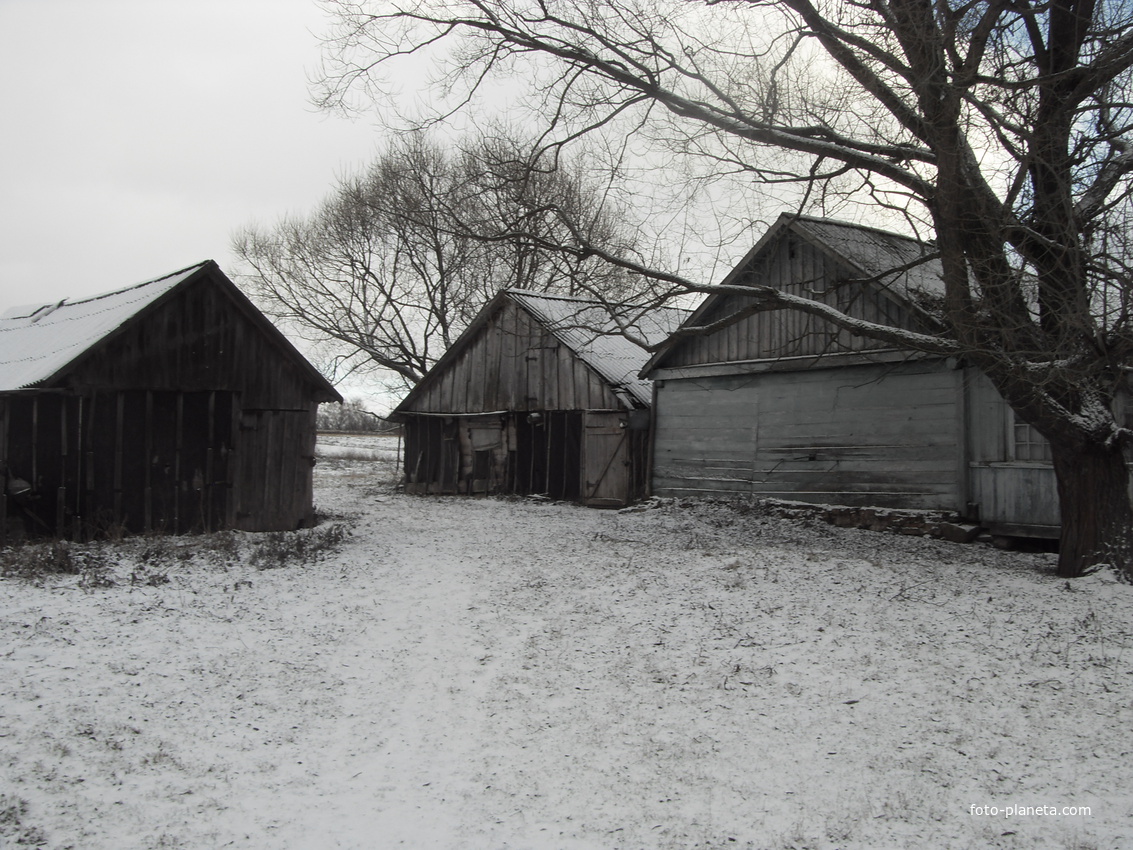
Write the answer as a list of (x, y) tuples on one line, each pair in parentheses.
[(548, 454), (606, 463)]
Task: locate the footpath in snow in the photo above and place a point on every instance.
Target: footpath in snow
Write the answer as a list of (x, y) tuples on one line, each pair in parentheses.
[(483, 673)]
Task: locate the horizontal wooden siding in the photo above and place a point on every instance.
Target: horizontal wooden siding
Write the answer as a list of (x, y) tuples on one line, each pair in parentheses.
[(877, 435)]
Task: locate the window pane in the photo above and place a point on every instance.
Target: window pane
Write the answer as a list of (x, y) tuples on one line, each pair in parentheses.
[(1029, 443)]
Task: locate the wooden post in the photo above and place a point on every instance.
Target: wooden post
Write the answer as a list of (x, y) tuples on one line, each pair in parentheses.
[(547, 459), (179, 431), (7, 472), (61, 493), (84, 480), (148, 482), (35, 443), (210, 459), (119, 449)]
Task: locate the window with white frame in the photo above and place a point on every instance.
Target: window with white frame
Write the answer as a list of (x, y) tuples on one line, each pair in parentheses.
[(1027, 443)]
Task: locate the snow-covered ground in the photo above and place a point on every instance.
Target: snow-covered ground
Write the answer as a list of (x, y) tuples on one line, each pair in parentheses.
[(482, 673)]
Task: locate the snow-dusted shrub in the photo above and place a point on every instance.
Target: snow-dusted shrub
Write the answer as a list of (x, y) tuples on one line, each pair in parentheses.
[(13, 812), (36, 561), (284, 548)]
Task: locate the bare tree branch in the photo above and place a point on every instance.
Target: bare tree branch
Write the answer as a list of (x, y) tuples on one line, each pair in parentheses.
[(1002, 126)]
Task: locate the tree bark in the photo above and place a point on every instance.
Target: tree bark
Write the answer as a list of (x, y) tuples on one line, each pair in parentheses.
[(1097, 518)]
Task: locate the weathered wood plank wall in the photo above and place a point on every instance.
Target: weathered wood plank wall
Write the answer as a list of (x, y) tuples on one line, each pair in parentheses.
[(272, 471), (514, 364), (131, 460), (1004, 491), (144, 433), (597, 458), (197, 341), (854, 435), (795, 267)]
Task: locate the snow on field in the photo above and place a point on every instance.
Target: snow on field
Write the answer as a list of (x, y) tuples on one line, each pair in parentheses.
[(482, 673), (359, 447)]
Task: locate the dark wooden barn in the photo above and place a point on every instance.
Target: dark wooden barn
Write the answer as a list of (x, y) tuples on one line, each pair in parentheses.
[(173, 406), (786, 405), (539, 395)]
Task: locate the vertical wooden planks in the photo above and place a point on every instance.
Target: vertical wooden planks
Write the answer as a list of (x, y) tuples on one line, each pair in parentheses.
[(963, 486), (119, 454), (513, 365), (61, 489), (209, 479), (493, 353), (605, 465), (134, 437), (178, 482), (231, 462), (35, 441), (4, 414), (147, 506)]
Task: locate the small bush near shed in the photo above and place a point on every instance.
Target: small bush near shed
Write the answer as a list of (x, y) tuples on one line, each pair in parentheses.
[(284, 548), (37, 561), (151, 560)]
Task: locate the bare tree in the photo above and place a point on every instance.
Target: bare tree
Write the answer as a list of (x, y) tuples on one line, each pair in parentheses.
[(999, 129), (350, 416), (396, 262)]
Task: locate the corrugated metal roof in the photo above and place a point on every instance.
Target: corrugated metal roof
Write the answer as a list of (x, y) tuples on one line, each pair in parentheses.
[(37, 341), (877, 252), (594, 332)]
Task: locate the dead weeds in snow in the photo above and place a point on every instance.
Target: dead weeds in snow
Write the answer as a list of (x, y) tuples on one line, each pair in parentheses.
[(479, 673), (151, 560), (13, 826), (297, 548)]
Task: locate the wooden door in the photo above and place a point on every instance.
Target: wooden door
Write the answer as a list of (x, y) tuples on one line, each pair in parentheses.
[(605, 459)]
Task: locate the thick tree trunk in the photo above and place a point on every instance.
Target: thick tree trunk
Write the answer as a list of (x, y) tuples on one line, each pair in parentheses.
[(1097, 519)]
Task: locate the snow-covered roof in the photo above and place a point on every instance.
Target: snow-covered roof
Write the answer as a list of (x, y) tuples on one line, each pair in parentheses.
[(595, 332), (37, 341)]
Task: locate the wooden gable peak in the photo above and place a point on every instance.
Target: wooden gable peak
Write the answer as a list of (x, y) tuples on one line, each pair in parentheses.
[(40, 345), (900, 267), (584, 327)]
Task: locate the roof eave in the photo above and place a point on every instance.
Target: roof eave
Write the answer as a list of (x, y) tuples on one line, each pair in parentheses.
[(795, 224), (454, 350), (325, 391), (56, 377)]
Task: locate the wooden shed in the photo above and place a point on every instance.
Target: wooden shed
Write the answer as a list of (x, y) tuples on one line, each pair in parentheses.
[(785, 405), (539, 395), (173, 405)]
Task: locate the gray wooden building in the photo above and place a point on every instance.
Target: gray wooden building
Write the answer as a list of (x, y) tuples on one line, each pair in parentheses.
[(785, 405), (539, 395), (173, 405)]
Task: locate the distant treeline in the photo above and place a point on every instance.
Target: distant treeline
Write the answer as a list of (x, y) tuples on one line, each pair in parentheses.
[(351, 416)]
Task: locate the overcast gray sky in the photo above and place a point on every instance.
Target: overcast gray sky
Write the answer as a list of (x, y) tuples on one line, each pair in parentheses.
[(139, 134)]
